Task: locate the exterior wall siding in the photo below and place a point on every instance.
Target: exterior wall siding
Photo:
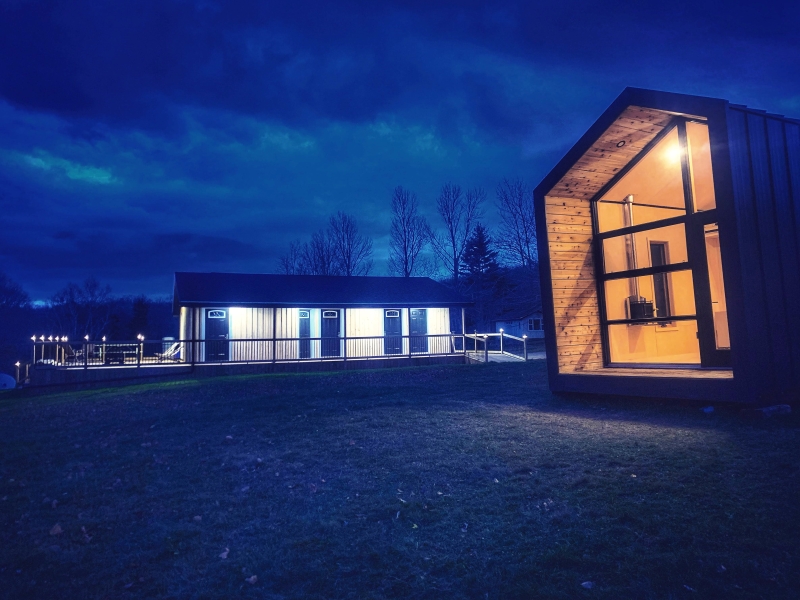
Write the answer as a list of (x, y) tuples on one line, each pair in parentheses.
[(250, 323), (257, 324), (576, 310), (765, 166)]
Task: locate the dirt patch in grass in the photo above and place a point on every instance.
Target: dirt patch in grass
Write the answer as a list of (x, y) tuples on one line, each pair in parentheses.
[(458, 482)]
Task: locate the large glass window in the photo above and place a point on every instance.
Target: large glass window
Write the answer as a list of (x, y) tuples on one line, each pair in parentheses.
[(652, 190), (660, 295), (643, 221), (650, 344), (718, 305), (699, 148), (635, 250)]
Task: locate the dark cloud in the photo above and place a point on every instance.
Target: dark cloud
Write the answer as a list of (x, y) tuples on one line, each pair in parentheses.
[(299, 62), (143, 136)]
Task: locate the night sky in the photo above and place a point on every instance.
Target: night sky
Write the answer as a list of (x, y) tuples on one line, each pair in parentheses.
[(140, 138)]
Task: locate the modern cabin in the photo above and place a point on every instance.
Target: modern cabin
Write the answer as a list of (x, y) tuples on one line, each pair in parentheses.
[(230, 317), (669, 245)]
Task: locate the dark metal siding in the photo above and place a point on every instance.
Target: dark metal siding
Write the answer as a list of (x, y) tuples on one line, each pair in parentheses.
[(766, 211)]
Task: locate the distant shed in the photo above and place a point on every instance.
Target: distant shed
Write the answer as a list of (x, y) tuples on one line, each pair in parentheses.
[(669, 245)]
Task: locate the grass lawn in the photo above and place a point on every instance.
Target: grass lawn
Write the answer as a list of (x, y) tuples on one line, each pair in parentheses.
[(438, 482)]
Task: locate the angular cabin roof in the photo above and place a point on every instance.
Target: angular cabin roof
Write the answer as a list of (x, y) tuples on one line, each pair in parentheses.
[(632, 121), (310, 291)]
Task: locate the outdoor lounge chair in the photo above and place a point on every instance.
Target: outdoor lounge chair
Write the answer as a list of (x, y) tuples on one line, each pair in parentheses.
[(172, 353), (71, 356)]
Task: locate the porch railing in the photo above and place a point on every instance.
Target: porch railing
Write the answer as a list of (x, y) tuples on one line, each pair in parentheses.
[(482, 345), (60, 353)]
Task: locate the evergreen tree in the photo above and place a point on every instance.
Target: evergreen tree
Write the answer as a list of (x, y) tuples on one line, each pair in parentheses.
[(480, 275), (480, 257)]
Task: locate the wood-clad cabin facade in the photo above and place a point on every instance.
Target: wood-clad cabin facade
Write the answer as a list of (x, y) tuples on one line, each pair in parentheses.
[(669, 245), (228, 317)]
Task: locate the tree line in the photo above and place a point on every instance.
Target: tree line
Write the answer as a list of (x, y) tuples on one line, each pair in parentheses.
[(340, 249), (78, 309), (497, 271)]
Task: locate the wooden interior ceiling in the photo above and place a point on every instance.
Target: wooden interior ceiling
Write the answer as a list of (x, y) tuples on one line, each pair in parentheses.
[(636, 127)]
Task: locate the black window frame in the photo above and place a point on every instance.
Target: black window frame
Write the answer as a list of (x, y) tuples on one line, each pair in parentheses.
[(696, 262)]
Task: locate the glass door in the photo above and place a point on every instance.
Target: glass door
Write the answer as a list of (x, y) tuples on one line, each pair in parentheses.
[(658, 264)]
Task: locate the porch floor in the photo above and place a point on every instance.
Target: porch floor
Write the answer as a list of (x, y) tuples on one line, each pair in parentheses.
[(495, 356), (668, 373)]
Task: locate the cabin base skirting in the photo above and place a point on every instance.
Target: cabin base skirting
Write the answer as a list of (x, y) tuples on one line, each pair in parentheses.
[(108, 375), (712, 388)]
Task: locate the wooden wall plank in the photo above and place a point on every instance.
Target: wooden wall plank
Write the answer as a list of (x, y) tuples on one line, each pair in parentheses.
[(634, 129), (576, 312)]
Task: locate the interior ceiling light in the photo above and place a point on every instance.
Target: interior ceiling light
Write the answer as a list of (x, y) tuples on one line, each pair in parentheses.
[(620, 144), (673, 153)]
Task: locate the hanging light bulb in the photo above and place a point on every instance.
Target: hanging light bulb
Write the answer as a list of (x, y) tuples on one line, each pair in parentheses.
[(673, 153)]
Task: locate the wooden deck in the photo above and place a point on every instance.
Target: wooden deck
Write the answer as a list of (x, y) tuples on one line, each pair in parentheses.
[(668, 373), (498, 357)]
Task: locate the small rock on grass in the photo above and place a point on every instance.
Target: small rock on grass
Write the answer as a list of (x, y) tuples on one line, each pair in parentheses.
[(56, 530), (587, 584), (252, 580)]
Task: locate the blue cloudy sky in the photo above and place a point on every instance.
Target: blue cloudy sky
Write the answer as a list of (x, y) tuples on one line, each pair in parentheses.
[(148, 136)]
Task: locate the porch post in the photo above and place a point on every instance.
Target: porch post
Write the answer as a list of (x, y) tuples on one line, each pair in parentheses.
[(193, 313), (408, 320), (463, 332), (344, 331), (274, 333)]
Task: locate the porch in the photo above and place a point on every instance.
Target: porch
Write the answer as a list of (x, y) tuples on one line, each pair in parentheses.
[(58, 361)]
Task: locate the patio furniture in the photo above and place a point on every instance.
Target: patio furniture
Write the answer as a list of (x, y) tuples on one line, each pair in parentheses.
[(171, 354), (72, 356)]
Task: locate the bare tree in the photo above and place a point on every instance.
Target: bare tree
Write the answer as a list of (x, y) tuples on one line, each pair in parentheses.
[(82, 309), (408, 236), (11, 293), (318, 256), (352, 251), (460, 213), (291, 263), (518, 226)]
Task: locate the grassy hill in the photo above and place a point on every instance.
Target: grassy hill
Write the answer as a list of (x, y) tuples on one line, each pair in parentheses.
[(456, 482)]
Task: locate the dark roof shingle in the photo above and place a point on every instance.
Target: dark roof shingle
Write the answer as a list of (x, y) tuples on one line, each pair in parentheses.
[(309, 291)]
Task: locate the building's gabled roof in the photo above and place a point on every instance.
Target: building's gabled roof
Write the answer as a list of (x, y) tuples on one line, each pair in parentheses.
[(634, 119), (310, 291)]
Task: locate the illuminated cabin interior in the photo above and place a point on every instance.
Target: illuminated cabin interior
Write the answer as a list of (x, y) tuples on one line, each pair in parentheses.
[(654, 238)]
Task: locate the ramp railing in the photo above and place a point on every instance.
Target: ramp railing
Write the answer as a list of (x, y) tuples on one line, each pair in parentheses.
[(483, 345)]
